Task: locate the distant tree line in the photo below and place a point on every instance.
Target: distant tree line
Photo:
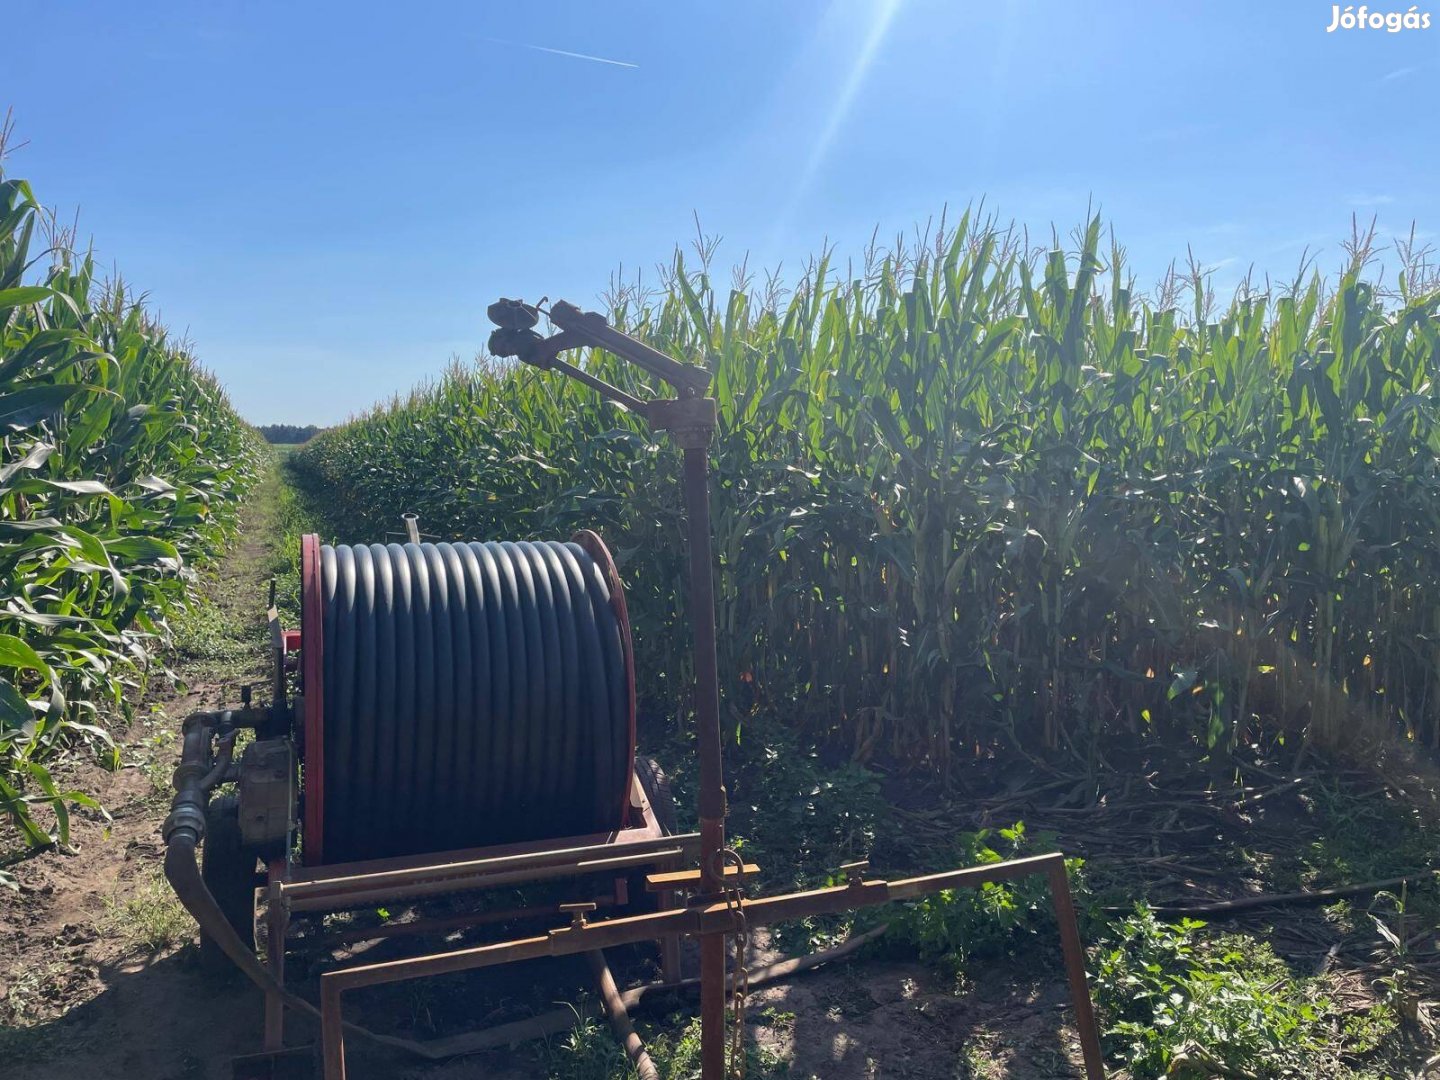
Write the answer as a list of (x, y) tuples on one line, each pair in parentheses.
[(288, 433)]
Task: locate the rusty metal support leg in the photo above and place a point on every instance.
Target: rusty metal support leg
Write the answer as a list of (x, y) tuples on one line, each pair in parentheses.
[(712, 1006), (1074, 953), (277, 924), (669, 943), (332, 1029), (707, 722), (620, 1017), (670, 970)]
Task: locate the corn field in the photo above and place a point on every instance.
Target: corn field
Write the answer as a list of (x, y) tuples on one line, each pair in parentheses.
[(975, 494), (120, 463)]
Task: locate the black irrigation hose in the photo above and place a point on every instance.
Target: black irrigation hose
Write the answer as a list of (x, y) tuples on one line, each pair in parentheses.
[(474, 694)]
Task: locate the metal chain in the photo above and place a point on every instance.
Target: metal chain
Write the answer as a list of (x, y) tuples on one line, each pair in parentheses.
[(734, 897)]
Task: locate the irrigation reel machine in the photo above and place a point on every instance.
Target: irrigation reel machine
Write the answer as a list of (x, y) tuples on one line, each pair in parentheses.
[(453, 718)]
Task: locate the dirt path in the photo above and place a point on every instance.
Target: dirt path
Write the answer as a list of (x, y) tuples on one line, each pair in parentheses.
[(98, 976)]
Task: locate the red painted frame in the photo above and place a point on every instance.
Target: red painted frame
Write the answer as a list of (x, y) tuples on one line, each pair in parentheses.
[(312, 666), (593, 546)]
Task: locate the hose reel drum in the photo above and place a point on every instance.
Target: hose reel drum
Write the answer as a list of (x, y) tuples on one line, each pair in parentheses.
[(462, 695)]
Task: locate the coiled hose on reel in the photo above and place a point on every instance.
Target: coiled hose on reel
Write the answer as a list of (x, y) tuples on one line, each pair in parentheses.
[(472, 694)]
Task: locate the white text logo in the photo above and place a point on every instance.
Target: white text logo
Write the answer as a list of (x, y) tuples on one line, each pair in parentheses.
[(1362, 18)]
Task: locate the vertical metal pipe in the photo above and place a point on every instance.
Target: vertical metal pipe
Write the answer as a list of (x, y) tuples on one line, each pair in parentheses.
[(1074, 953), (332, 1028), (702, 618), (412, 527), (670, 943), (712, 789), (712, 1006), (277, 923)]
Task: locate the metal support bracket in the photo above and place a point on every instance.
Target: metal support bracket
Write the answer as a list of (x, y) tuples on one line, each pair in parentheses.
[(712, 920), (691, 421)]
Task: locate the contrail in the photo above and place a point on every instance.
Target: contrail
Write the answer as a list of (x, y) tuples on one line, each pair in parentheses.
[(564, 52)]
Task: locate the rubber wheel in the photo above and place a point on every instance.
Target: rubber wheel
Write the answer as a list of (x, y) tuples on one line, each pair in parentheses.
[(228, 871), (657, 790)]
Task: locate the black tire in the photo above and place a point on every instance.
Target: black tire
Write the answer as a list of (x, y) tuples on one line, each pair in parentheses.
[(657, 790), (228, 871)]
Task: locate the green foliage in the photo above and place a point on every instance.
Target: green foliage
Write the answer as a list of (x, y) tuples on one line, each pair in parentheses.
[(1346, 848), (972, 492), (798, 816), (590, 1052), (295, 516), (956, 926), (1179, 1005), (121, 462), (586, 1052), (202, 631), (677, 1054)]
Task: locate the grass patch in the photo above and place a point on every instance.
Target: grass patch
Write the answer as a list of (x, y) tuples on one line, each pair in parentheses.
[(206, 633), (294, 516), (35, 994), (589, 1052), (1364, 839), (221, 635), (977, 1061), (1353, 838), (677, 1054), (150, 919), (155, 753), (28, 992)]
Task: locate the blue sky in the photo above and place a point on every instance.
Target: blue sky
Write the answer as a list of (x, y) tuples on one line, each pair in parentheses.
[(325, 196)]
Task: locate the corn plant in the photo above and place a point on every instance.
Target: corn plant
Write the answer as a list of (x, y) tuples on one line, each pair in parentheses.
[(974, 494), (121, 462)]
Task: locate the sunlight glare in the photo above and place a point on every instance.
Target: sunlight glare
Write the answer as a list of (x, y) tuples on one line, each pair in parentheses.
[(883, 15)]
